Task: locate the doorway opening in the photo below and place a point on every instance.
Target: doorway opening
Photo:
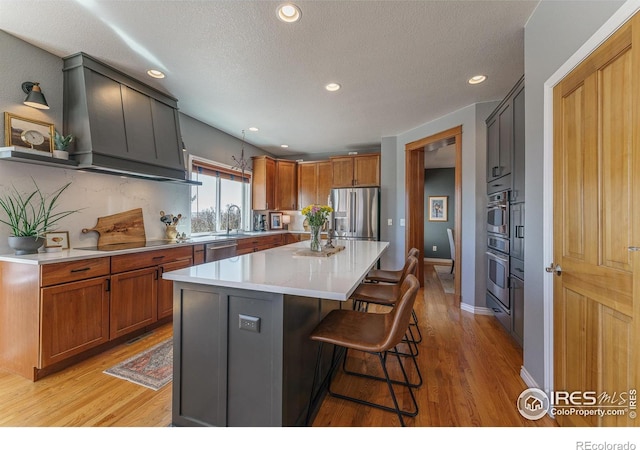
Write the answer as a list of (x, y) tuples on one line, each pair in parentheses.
[(415, 202)]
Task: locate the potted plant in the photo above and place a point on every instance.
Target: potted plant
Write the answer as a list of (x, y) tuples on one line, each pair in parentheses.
[(30, 216), (60, 145)]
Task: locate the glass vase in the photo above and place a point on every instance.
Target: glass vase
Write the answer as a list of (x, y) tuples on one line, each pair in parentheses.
[(315, 239)]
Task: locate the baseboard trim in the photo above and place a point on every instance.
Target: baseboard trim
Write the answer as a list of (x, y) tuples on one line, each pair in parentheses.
[(480, 310), (527, 378)]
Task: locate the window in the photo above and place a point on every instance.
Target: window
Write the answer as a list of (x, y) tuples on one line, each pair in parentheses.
[(211, 203)]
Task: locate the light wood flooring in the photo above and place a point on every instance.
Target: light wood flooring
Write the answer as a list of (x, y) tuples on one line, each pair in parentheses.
[(469, 363)]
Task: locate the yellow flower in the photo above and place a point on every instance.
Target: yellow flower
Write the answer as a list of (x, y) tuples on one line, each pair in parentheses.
[(317, 214)]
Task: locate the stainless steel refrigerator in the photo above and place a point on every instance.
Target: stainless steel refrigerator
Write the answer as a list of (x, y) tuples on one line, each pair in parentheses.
[(356, 213)]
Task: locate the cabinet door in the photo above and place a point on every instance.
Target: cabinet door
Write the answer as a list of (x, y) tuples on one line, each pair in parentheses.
[(75, 318), (517, 231), (198, 254), (342, 172), (136, 108), (134, 301), (493, 151), (165, 287), (263, 183), (166, 132), (307, 184), (324, 182), (505, 119), (286, 187), (106, 123), (517, 194), (366, 170), (517, 308)]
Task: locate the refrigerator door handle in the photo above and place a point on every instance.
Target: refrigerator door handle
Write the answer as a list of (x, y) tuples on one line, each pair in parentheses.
[(352, 209)]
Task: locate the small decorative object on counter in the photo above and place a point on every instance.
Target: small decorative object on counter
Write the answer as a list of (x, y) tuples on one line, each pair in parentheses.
[(171, 223), (317, 215), (61, 144), (329, 244)]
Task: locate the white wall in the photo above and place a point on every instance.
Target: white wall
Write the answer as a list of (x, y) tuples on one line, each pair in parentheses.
[(98, 195), (553, 33)]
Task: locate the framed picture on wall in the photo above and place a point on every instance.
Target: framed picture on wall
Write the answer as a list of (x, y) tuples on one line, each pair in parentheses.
[(438, 209), (28, 133)]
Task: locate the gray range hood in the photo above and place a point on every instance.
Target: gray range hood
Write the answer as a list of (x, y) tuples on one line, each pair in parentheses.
[(122, 126)]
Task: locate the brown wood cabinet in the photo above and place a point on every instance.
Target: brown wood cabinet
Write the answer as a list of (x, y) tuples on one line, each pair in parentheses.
[(314, 183), (198, 254), (263, 183), (286, 185), (355, 170), (258, 243), (165, 287)]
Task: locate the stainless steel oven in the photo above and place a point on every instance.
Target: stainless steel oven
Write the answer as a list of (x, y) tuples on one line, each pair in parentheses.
[(498, 243), (498, 213), (498, 277)]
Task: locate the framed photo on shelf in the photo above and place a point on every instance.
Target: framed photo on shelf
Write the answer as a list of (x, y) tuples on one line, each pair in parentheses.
[(438, 209), (57, 239), (275, 220), (29, 133)]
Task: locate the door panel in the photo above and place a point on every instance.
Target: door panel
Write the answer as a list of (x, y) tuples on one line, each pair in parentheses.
[(596, 206)]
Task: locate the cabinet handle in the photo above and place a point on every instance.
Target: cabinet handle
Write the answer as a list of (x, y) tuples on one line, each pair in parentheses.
[(107, 285), (156, 277), (495, 171), (157, 257), (520, 231), (84, 269)]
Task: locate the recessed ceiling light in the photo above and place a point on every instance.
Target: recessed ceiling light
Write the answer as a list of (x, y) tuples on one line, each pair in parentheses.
[(155, 73), (253, 128), (284, 146), (288, 12), (332, 87), (477, 79)]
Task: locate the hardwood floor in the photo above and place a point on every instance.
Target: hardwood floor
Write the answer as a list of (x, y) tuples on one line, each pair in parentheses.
[(469, 363)]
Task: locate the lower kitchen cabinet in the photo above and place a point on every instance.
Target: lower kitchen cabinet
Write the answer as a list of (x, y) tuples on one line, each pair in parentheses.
[(517, 309), (75, 318), (165, 287), (259, 243), (134, 301)]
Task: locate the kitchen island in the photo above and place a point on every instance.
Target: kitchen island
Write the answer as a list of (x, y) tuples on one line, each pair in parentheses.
[(242, 356)]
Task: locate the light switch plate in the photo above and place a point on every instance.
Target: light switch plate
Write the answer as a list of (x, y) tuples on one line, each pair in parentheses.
[(401, 222), (390, 222)]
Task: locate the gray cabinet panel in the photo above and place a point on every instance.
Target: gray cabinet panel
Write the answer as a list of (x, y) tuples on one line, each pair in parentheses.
[(166, 131), (493, 150), (505, 130), (517, 194), (517, 231), (106, 121), (517, 309), (138, 123)]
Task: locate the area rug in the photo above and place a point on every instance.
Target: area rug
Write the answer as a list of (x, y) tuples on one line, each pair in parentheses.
[(446, 278), (152, 368)]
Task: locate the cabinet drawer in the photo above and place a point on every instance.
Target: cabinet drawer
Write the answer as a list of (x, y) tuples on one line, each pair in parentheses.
[(123, 263), (198, 254), (83, 269)]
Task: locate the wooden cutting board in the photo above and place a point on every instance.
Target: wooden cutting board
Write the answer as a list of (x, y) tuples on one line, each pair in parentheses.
[(122, 228)]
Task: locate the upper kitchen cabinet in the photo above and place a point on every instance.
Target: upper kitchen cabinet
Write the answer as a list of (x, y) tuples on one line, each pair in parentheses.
[(502, 124), (286, 185), (120, 124), (263, 183), (314, 183), (356, 170)]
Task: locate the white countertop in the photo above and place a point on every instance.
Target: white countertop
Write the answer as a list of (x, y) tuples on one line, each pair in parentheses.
[(279, 271)]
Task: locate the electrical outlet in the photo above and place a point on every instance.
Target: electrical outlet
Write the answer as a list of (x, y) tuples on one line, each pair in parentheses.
[(434, 248), (390, 222), (401, 222), (249, 323)]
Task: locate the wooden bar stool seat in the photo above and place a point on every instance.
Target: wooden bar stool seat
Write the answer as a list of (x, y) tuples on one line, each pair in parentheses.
[(372, 333)]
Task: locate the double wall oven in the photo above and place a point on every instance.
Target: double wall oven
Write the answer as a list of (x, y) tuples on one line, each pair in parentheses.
[(498, 255)]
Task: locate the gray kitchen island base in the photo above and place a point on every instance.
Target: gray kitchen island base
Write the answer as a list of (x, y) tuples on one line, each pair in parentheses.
[(243, 357)]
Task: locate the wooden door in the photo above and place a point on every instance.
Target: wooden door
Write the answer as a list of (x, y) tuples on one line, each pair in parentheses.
[(263, 183), (366, 170), (307, 183), (342, 171), (134, 301), (75, 318), (596, 220), (165, 287), (324, 182)]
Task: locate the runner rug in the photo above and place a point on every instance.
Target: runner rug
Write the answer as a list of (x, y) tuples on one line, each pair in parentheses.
[(446, 278), (152, 368)]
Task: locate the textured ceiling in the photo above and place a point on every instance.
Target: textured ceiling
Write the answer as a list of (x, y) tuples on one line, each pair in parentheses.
[(233, 64)]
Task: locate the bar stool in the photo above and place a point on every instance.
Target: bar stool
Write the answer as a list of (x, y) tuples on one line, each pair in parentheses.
[(389, 276), (371, 333)]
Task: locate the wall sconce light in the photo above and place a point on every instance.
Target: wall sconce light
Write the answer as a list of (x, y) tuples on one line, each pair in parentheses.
[(35, 98), (286, 220)]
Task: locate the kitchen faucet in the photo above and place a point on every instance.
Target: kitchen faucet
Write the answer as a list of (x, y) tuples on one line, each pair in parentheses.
[(229, 216)]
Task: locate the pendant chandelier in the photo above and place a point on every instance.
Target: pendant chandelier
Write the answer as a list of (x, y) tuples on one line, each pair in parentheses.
[(241, 164)]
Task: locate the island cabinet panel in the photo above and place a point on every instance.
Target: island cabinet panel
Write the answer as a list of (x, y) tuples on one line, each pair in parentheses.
[(75, 318), (286, 185), (165, 287), (263, 183), (134, 303)]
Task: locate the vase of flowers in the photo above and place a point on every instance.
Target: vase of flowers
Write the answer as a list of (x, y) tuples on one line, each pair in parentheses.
[(317, 215)]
